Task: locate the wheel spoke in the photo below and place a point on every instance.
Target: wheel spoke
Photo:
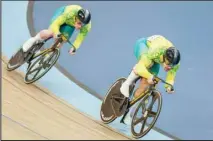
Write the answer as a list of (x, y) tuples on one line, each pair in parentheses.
[(138, 120), (38, 68), (143, 107), (152, 114), (50, 58), (37, 73), (35, 70), (47, 61), (143, 125), (117, 98), (43, 64), (154, 98)]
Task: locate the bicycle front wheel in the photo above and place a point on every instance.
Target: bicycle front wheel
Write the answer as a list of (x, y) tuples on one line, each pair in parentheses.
[(45, 62), (146, 114)]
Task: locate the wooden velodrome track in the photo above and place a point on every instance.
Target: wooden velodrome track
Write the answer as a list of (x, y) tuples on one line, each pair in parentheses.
[(31, 112)]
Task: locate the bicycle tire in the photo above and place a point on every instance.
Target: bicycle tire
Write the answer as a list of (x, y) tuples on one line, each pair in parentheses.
[(57, 51), (113, 116), (18, 64), (29, 53), (136, 135)]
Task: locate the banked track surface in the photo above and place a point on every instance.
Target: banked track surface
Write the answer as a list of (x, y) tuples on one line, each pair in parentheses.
[(33, 113)]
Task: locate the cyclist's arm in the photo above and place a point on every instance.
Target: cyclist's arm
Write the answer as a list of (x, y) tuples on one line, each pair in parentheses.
[(146, 61), (142, 66), (81, 36), (55, 26), (171, 75)]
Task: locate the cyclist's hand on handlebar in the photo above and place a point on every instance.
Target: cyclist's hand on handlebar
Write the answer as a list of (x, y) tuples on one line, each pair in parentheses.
[(72, 51), (56, 36), (151, 80), (170, 90)]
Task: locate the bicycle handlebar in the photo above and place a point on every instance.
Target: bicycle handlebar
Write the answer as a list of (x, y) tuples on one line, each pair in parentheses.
[(159, 79), (67, 40)]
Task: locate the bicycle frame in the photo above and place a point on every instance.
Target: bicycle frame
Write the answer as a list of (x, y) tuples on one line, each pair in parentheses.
[(54, 46), (150, 89), (135, 100)]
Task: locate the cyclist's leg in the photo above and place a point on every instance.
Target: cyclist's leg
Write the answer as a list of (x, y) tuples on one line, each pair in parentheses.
[(139, 47), (144, 83), (67, 31), (43, 34), (143, 86)]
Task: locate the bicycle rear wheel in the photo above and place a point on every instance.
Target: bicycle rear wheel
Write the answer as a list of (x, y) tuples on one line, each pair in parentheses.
[(114, 103), (21, 57), (16, 60), (45, 61), (141, 117), (107, 112)]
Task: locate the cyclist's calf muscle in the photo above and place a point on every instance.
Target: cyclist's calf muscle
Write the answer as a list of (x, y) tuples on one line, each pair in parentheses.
[(48, 33), (42, 35), (142, 87), (143, 83), (45, 34)]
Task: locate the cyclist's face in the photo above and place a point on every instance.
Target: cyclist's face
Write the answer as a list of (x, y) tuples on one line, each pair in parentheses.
[(167, 65), (78, 24)]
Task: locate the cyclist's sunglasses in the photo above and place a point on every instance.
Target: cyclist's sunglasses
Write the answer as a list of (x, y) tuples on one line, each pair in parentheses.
[(167, 62)]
